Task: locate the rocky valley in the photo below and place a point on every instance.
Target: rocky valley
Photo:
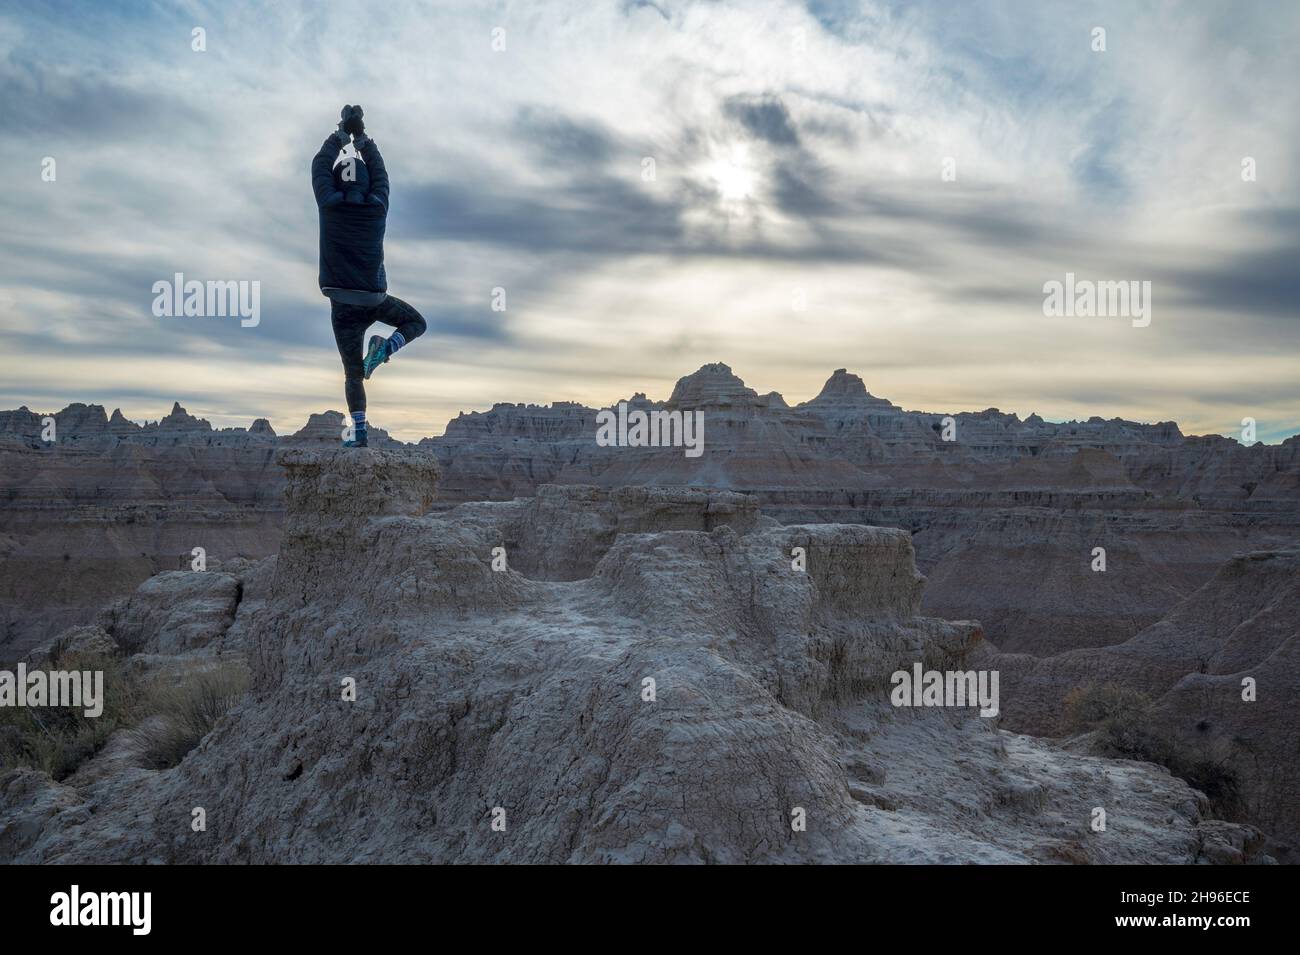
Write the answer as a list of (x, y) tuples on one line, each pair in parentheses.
[(499, 595), (692, 697)]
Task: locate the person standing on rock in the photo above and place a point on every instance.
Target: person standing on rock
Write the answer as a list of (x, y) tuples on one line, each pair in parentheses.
[(352, 197)]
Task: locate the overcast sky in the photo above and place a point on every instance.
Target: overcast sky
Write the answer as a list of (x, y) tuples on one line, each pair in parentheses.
[(798, 152)]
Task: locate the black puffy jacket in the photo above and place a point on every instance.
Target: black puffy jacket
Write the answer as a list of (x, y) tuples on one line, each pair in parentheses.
[(352, 219)]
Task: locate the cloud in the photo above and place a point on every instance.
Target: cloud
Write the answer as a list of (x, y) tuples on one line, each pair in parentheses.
[(777, 165), (765, 117), (562, 140)]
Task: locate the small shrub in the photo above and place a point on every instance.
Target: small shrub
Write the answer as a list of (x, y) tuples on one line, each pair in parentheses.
[(181, 713), (1105, 703), (1119, 715)]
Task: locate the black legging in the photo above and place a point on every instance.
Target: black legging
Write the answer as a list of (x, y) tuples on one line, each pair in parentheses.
[(350, 324)]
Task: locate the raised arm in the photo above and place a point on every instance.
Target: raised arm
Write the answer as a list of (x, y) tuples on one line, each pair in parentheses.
[(378, 174), (322, 170)]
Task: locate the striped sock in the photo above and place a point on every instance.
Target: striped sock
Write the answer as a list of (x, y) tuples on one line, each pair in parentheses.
[(359, 423), (395, 341)]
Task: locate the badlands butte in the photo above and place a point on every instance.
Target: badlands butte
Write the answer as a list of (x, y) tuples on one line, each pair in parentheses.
[(520, 690)]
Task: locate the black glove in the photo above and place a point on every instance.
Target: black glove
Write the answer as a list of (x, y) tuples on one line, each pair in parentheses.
[(351, 121)]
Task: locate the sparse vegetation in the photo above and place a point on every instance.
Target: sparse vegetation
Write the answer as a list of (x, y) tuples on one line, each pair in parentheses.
[(60, 739), (1118, 715), (181, 713), (1116, 712), (166, 718)]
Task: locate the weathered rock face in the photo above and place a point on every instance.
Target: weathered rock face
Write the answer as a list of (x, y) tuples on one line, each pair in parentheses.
[(174, 612), (84, 639), (1243, 625), (563, 532), (698, 698), (173, 615)]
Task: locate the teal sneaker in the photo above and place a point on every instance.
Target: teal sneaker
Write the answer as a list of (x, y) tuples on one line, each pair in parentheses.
[(376, 354), (356, 443)]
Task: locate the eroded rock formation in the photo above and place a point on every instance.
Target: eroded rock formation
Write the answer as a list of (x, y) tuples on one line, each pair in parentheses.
[(695, 698)]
